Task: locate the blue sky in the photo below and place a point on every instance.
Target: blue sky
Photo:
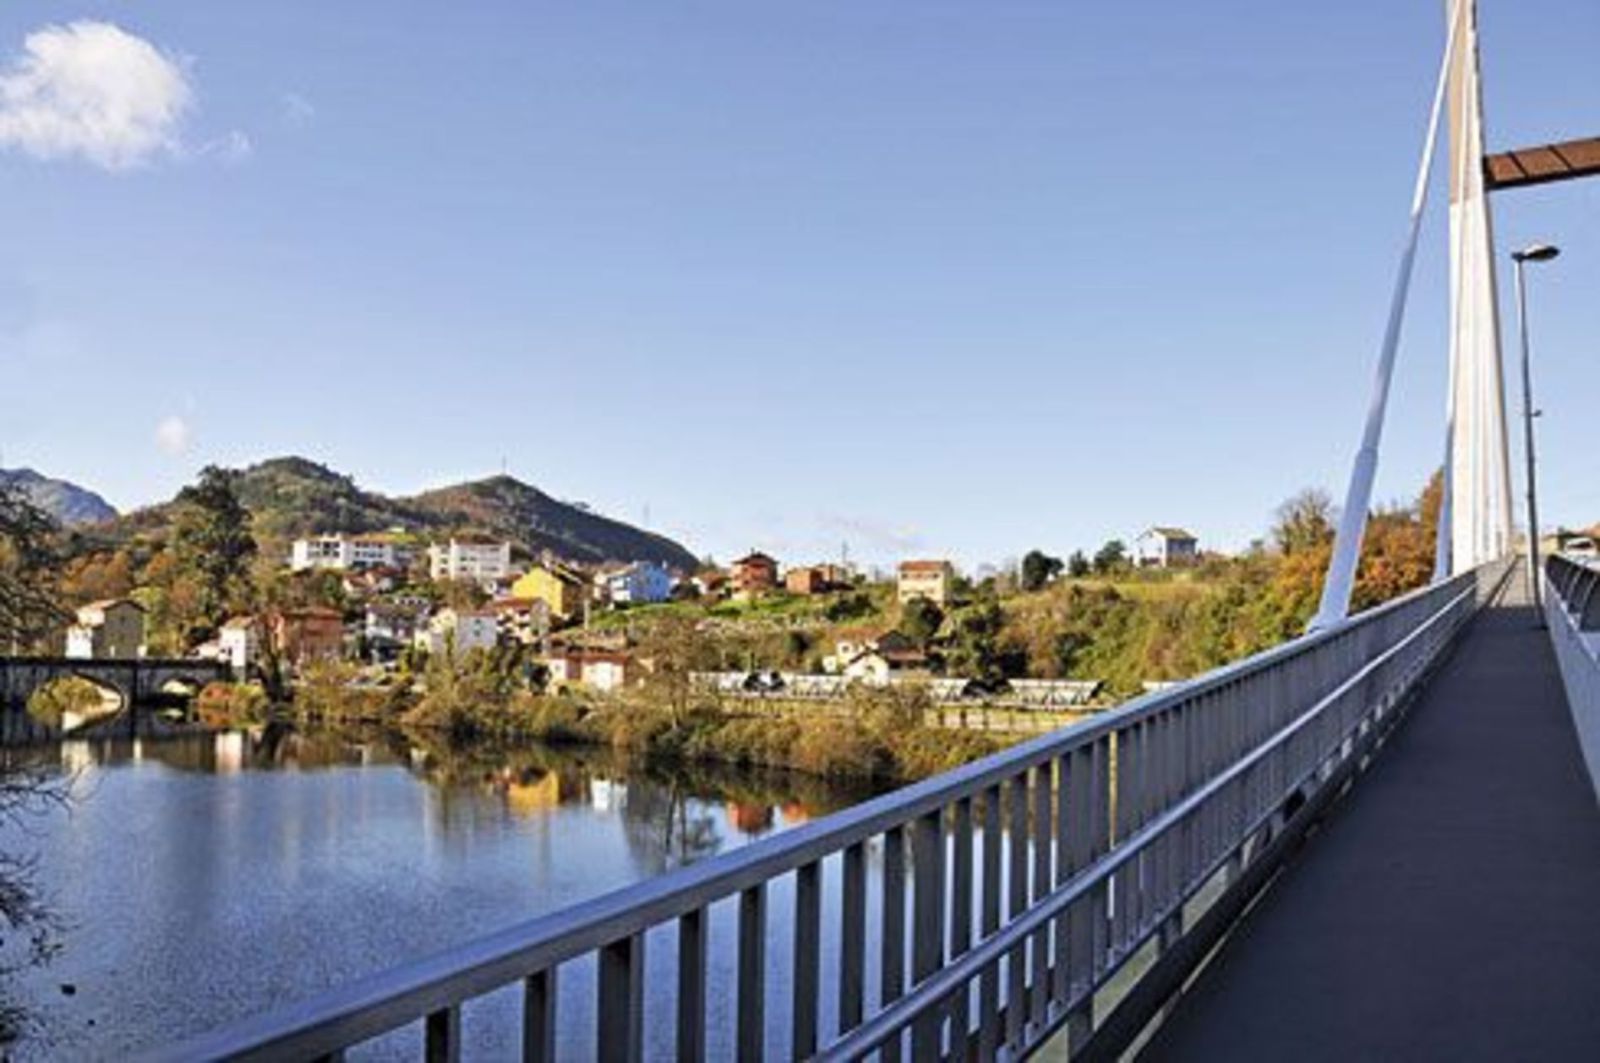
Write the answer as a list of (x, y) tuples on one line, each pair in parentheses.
[(931, 278)]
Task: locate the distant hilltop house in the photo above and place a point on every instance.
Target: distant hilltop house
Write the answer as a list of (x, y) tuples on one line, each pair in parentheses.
[(344, 553), (816, 579), (753, 574), (112, 627), (925, 579), (640, 583), (1165, 548), (478, 560), (561, 589)]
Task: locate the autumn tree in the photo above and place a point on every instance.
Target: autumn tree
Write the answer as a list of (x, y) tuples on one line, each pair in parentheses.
[(1304, 522), (98, 576), (30, 612), (212, 546)]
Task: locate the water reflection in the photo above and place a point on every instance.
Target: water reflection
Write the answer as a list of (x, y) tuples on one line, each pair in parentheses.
[(209, 876)]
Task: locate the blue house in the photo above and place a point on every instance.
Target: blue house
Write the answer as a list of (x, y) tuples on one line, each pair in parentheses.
[(638, 583)]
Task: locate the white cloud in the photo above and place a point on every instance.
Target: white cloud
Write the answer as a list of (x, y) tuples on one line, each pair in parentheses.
[(231, 149), (93, 90), (297, 110), (173, 435)]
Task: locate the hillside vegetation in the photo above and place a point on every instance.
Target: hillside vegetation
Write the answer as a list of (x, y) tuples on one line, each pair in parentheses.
[(291, 496), (1122, 626)]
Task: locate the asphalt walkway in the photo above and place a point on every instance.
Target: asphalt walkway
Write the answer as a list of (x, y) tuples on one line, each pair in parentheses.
[(1449, 906)]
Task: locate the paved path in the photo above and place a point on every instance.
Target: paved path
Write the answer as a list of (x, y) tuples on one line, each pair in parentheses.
[(1449, 908)]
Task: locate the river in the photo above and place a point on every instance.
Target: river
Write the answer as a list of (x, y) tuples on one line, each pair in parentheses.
[(209, 877)]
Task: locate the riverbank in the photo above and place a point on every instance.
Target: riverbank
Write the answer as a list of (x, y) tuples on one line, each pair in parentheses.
[(877, 735)]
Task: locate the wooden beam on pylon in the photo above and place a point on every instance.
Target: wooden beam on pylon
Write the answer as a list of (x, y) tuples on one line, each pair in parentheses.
[(1542, 165)]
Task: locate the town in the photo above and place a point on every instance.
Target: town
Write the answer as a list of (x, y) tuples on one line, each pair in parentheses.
[(390, 597)]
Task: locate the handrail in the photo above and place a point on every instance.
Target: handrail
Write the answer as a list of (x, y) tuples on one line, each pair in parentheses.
[(1572, 615), (1167, 749), (898, 1016)]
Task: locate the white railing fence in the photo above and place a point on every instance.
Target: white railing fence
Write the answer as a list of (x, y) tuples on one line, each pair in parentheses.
[(982, 911)]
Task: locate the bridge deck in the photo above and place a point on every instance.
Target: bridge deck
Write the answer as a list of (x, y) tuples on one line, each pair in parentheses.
[(1450, 906)]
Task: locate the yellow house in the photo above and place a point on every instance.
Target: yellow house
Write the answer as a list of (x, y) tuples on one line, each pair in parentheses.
[(558, 588)]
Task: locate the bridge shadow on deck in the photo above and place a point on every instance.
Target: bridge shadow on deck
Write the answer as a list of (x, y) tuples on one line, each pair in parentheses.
[(1449, 907)]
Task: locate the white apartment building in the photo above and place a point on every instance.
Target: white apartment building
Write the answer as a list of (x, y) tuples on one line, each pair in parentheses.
[(472, 559), (341, 553)]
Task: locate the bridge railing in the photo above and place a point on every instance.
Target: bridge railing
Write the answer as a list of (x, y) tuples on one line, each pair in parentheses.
[(982, 910), (1572, 613)]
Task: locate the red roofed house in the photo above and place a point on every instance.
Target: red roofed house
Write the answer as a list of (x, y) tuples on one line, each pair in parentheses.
[(926, 579), (753, 574)]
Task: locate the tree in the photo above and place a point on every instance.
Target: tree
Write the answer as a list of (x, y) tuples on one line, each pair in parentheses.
[(98, 576), (460, 593), (676, 648), (1077, 565), (29, 613), (212, 546), (1110, 557), (1039, 568), (974, 651), (1304, 522), (920, 620), (29, 610)]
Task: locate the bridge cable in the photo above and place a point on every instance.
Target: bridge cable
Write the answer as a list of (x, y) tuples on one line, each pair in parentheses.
[(1337, 587)]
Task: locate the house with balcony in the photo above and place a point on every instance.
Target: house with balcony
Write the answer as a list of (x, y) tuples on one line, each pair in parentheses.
[(931, 580), (472, 559), (1165, 547), (344, 553), (522, 620)]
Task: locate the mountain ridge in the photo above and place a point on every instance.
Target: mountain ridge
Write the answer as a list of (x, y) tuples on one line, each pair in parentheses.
[(291, 496), (67, 503)]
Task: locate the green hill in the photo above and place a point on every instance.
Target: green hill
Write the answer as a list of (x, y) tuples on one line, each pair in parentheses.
[(291, 496)]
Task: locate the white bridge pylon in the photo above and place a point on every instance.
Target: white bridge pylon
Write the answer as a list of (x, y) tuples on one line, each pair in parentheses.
[(1475, 521), (1479, 467)]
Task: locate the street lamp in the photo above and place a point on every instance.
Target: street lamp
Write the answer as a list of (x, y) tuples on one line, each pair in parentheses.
[(1531, 253)]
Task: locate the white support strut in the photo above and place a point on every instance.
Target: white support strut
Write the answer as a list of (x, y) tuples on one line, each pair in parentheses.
[(1337, 588)]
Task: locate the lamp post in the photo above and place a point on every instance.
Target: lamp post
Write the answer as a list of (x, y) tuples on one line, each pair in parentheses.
[(1531, 253)]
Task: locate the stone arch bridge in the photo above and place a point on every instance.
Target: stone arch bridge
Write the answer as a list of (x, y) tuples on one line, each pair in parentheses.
[(138, 682)]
